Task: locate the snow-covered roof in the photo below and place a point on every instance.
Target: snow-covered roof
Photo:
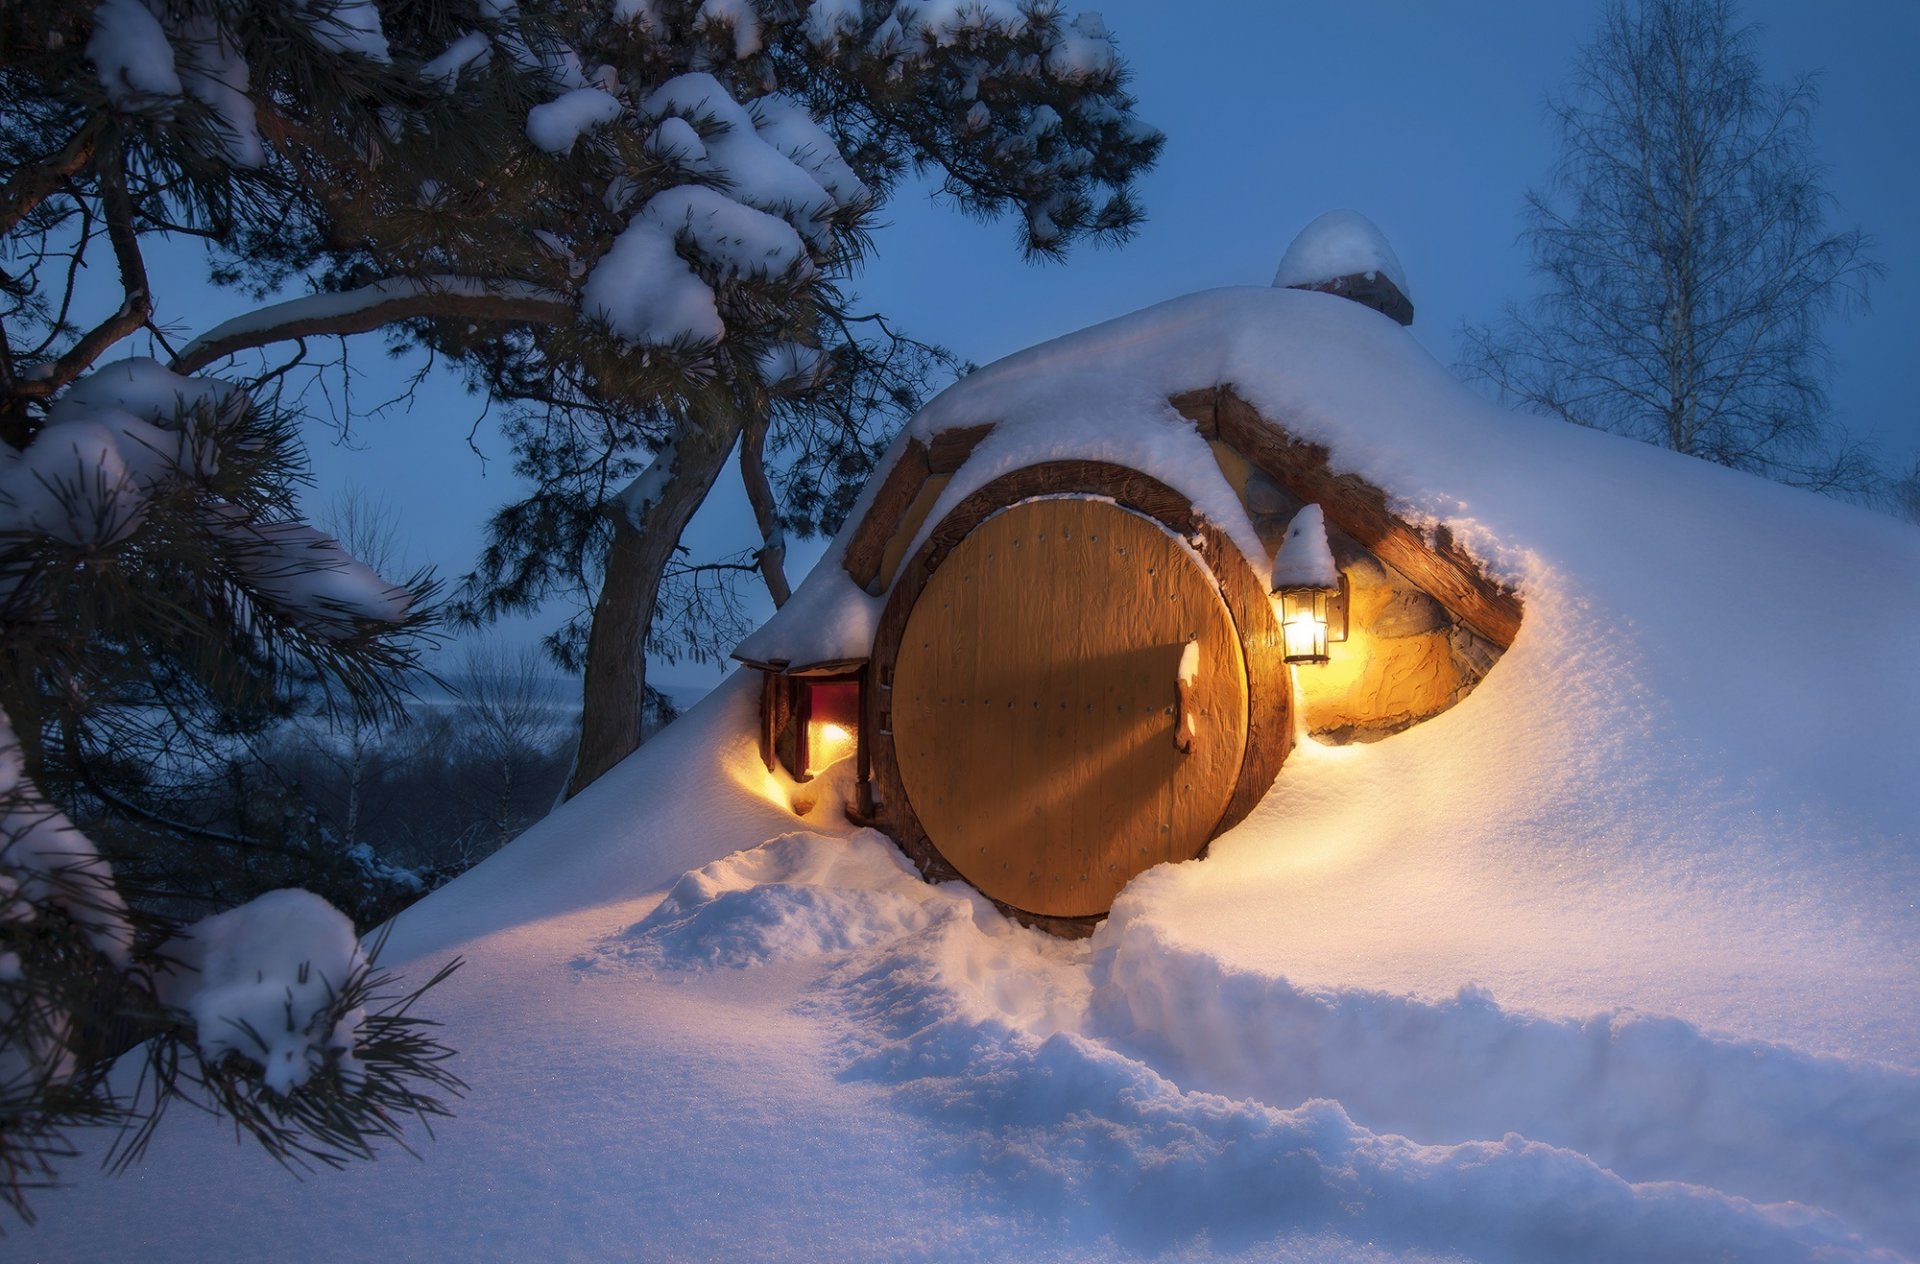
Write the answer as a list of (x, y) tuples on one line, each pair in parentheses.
[(1330, 371)]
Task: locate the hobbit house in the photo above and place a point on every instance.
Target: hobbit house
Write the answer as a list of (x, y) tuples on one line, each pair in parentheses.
[(1047, 650)]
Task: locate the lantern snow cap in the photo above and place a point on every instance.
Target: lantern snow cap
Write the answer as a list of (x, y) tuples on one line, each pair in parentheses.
[(1308, 585)]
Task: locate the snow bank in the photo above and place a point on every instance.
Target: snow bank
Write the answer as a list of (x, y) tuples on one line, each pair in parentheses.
[(801, 895), (1649, 1098), (1074, 1130), (1004, 1037)]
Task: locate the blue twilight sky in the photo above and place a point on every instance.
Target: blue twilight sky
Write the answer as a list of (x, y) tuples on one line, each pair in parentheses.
[(1427, 118)]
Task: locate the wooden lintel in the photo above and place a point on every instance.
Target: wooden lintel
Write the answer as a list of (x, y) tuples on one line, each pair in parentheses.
[(829, 667), (951, 448), (784, 667), (897, 490), (1202, 408), (772, 666), (1436, 564)]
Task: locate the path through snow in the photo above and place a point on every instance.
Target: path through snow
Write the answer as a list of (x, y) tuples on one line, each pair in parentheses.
[(1142, 1091)]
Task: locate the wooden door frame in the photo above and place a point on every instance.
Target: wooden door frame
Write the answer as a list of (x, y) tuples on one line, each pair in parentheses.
[(1269, 687)]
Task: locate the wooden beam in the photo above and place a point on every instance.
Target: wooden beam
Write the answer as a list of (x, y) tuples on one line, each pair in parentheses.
[(1436, 564), (897, 490), (1202, 408), (909, 526), (951, 448), (867, 552)]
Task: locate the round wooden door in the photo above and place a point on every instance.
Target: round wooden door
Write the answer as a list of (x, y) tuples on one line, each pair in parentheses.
[(1069, 704)]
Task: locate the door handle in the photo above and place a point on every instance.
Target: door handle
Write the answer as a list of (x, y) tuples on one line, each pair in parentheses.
[(1184, 683)]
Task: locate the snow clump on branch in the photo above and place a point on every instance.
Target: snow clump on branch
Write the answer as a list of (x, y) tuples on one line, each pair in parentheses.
[(261, 980)]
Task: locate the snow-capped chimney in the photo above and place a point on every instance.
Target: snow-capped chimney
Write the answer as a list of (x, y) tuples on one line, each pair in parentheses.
[(1343, 253)]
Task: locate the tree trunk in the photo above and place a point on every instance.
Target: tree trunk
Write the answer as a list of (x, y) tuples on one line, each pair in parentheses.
[(645, 531), (766, 515)]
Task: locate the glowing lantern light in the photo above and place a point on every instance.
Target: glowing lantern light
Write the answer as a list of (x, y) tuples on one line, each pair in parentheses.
[(831, 723), (1309, 589)]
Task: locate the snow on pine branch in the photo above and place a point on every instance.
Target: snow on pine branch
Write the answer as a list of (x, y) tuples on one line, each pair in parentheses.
[(263, 981), (1037, 92), (556, 125), (45, 860), (310, 579), (152, 57), (113, 441), (151, 60), (1049, 112), (132, 433), (647, 293)]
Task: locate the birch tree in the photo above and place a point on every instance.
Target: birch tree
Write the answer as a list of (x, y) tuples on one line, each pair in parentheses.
[(1685, 255)]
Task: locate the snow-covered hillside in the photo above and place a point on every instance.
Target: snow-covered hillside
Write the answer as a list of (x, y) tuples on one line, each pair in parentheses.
[(1618, 959)]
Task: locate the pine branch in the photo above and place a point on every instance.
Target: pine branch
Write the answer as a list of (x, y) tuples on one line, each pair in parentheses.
[(34, 182), (372, 307)]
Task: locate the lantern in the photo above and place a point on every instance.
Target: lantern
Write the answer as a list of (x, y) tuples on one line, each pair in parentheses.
[(1309, 589), (1303, 623)]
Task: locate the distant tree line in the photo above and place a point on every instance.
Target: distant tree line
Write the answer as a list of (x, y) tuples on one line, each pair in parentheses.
[(372, 815)]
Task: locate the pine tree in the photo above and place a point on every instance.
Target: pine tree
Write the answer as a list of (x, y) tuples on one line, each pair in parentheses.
[(629, 218), (159, 595), (734, 155)]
